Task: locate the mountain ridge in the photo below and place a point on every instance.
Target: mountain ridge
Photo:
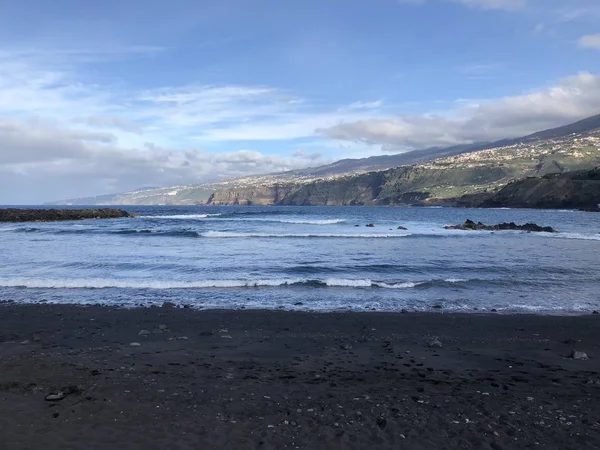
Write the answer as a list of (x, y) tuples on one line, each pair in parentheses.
[(274, 188)]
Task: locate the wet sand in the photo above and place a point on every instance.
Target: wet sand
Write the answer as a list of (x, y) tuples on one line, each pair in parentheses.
[(278, 380)]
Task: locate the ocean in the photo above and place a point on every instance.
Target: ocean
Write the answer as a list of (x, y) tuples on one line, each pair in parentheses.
[(309, 259)]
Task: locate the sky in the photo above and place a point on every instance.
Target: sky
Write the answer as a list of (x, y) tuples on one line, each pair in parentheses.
[(106, 97)]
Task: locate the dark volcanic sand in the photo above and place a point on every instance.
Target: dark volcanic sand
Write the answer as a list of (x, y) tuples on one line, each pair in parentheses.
[(267, 380)]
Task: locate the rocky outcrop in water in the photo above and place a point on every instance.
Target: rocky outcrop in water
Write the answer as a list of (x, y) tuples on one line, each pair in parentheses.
[(52, 215), (470, 225)]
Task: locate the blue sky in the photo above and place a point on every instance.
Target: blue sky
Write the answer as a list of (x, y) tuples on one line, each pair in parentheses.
[(99, 97)]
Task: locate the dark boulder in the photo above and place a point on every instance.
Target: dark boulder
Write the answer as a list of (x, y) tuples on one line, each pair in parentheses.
[(370, 225), (401, 228)]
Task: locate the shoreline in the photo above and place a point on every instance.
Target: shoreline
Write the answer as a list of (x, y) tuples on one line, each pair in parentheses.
[(284, 379), (433, 310)]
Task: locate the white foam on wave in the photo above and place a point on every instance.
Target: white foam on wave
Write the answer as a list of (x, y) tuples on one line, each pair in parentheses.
[(456, 280), (580, 236), (340, 282), (182, 216), (232, 234), (97, 283), (310, 222), (366, 283), (8, 230), (406, 285), (288, 221)]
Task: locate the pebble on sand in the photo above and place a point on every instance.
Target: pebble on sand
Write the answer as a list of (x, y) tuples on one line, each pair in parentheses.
[(434, 343), (135, 344), (581, 356), (55, 397)]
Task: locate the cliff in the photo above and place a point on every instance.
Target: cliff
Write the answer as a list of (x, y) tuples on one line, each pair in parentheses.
[(460, 180), (252, 195), (574, 190)]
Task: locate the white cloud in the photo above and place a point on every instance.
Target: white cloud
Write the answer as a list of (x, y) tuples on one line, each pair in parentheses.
[(571, 99), (485, 4), (88, 163), (87, 138), (109, 122), (591, 41)]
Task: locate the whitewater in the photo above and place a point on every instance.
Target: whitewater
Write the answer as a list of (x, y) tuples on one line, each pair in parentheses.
[(308, 258)]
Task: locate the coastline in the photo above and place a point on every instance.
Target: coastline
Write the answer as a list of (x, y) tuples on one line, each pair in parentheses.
[(280, 379)]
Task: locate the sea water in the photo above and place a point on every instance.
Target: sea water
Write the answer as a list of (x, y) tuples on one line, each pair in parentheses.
[(308, 258)]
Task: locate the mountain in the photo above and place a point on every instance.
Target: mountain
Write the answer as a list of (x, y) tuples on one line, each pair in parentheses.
[(200, 193), (454, 180), (422, 176)]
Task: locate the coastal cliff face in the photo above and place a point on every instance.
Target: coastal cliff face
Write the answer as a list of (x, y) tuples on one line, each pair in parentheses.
[(254, 195), (359, 190), (403, 186), (461, 180), (574, 190)]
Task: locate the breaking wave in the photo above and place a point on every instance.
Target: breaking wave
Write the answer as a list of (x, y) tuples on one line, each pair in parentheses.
[(302, 222), (182, 216), (97, 283), (580, 236), (230, 235)]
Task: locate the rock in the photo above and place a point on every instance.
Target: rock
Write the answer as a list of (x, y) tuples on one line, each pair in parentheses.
[(51, 215), (143, 333), (35, 338), (402, 228), (493, 310), (25, 342), (298, 304), (596, 313), (357, 225), (72, 390), (580, 356), (570, 341), (206, 333), (531, 227), (370, 225), (163, 327), (404, 311), (434, 343), (55, 397), (168, 305), (135, 344), (346, 347), (437, 306), (381, 422)]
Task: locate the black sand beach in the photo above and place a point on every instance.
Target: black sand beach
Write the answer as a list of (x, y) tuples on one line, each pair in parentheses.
[(276, 380)]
